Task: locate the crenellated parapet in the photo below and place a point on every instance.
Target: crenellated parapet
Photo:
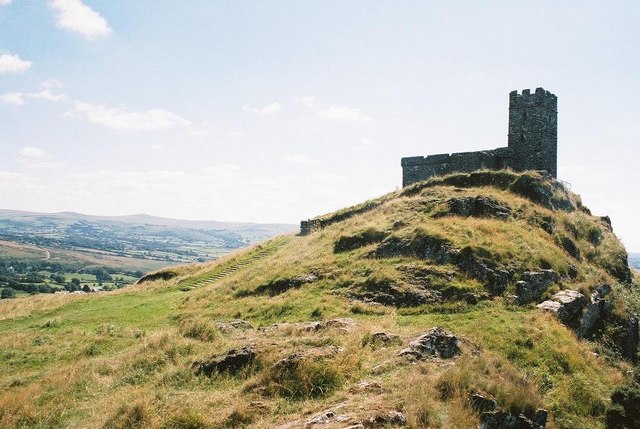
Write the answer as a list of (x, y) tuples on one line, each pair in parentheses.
[(532, 143)]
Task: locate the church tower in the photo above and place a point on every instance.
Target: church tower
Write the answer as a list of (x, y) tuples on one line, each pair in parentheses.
[(533, 130)]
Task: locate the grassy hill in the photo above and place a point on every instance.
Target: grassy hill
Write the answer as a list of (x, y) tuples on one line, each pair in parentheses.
[(42, 252), (309, 331)]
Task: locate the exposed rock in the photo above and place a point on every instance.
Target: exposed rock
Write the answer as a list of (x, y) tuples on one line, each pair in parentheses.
[(534, 284), (631, 338), (595, 312), (359, 239), (160, 275), (385, 339), (343, 323), (233, 325), (540, 417), (276, 287), (567, 305), (481, 404), (441, 251), (366, 387), (570, 247), (356, 426), (478, 207), (435, 343), (232, 362), (321, 419), (391, 418), (506, 420), (387, 292), (572, 270)]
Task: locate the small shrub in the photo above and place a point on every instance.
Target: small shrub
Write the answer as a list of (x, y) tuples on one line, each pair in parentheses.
[(51, 323), (129, 416), (186, 419), (198, 330), (305, 378), (624, 412)]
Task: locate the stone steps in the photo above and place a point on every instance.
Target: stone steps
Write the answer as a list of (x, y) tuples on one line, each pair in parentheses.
[(232, 268)]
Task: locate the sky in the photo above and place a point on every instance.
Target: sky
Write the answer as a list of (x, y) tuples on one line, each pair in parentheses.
[(277, 111)]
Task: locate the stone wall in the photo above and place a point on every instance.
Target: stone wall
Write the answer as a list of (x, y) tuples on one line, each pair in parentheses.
[(417, 168), (532, 143)]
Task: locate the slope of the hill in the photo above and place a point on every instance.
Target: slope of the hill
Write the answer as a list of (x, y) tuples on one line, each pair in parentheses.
[(317, 330)]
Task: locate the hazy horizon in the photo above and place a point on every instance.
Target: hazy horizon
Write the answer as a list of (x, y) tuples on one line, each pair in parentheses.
[(273, 112)]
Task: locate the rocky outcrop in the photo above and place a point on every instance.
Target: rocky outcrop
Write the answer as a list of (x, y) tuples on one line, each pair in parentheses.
[(478, 207), (506, 420), (390, 418), (231, 362), (534, 284), (391, 293), (482, 404), (233, 325), (441, 251), (359, 239), (567, 305), (279, 286), (631, 341), (160, 275), (385, 339), (342, 323), (436, 343), (579, 313)]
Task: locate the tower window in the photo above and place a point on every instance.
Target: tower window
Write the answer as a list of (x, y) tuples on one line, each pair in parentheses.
[(524, 116), (521, 138)]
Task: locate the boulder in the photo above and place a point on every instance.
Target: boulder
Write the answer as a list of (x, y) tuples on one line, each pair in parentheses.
[(437, 342), (233, 325), (385, 339), (567, 305), (343, 323), (391, 418), (505, 420), (481, 404), (231, 362), (534, 284), (596, 310)]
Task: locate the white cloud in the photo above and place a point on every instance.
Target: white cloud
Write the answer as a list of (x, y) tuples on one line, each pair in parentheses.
[(343, 113), (32, 152), (19, 98), (34, 158), (13, 98), (13, 64), (179, 193), (73, 15), (5, 2), (308, 101), (123, 119), (269, 109), (290, 158), (51, 83)]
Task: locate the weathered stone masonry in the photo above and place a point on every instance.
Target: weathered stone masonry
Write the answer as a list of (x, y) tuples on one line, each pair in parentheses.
[(532, 143)]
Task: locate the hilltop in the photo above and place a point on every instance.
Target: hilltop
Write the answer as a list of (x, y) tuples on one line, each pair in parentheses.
[(488, 297)]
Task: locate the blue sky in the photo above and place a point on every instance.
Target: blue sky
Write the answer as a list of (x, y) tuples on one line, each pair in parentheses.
[(274, 111)]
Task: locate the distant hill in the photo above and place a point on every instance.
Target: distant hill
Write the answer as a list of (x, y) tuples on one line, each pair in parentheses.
[(137, 236), (459, 302), (634, 260), (47, 252)]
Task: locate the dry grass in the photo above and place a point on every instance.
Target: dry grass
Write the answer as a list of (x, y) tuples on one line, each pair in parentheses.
[(124, 359)]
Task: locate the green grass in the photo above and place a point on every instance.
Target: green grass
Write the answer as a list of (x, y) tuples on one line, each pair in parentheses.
[(125, 358)]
